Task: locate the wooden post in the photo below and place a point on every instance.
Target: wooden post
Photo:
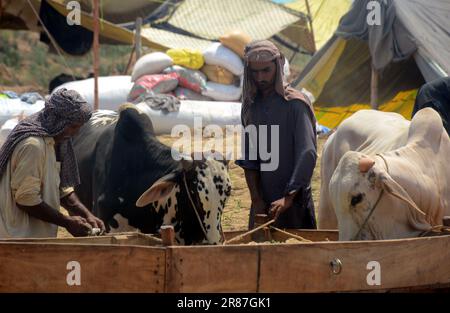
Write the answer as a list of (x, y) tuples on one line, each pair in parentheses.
[(263, 234), (374, 89), (137, 38), (168, 235), (308, 9), (446, 221), (96, 52)]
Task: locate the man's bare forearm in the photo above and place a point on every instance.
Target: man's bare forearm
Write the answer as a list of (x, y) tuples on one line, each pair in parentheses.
[(45, 213), (74, 206)]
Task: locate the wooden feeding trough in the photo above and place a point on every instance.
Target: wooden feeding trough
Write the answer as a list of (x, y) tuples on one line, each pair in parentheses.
[(270, 261)]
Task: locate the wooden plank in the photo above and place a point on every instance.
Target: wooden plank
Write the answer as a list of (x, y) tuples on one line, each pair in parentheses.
[(125, 238), (403, 264), (212, 269), (69, 240), (34, 267)]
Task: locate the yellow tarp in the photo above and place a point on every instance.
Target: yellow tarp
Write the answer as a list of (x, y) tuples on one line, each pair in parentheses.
[(403, 104), (316, 79), (325, 15), (331, 117)]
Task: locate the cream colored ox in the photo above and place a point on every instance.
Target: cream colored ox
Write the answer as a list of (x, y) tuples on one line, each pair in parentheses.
[(384, 177)]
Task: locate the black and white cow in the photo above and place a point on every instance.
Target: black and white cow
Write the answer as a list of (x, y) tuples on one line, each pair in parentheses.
[(120, 161)]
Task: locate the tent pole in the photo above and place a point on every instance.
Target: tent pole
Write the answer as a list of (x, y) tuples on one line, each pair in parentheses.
[(308, 9), (137, 38), (374, 89), (130, 60), (96, 52)]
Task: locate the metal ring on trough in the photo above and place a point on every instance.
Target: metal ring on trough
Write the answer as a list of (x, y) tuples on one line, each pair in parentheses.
[(336, 266)]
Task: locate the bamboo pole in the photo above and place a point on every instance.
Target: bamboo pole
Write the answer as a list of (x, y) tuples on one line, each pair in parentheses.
[(130, 60), (308, 9), (300, 238), (137, 38), (374, 89), (96, 52)]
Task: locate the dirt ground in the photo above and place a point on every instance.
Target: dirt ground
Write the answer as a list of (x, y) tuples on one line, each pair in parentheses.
[(237, 208)]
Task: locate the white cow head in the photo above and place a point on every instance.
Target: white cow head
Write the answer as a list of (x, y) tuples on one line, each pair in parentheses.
[(361, 182)]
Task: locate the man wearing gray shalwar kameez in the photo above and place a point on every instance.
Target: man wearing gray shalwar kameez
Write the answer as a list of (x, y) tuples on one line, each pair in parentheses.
[(283, 192)]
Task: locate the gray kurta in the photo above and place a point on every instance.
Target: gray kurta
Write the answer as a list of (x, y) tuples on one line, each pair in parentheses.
[(297, 158)]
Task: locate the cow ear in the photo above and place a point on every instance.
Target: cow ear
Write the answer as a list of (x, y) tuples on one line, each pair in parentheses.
[(160, 189), (416, 216)]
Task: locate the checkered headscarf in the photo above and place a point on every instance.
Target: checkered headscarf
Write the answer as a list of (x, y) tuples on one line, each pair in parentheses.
[(63, 108)]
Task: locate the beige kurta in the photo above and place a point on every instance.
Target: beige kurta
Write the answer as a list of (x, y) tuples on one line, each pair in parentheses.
[(31, 176)]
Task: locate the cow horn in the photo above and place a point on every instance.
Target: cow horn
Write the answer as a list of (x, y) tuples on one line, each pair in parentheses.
[(365, 164)]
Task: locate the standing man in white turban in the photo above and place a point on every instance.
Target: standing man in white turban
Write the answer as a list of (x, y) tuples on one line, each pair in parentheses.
[(284, 192)]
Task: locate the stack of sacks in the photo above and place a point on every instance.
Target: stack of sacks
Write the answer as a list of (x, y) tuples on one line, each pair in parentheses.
[(175, 72), (149, 64), (216, 74), (147, 76), (156, 83), (191, 83), (224, 69)]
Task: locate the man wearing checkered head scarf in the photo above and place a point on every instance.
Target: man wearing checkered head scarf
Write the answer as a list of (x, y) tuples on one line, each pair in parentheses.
[(283, 193), (38, 171)]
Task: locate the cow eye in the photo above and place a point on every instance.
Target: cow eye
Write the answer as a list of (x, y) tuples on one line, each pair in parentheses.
[(357, 199)]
